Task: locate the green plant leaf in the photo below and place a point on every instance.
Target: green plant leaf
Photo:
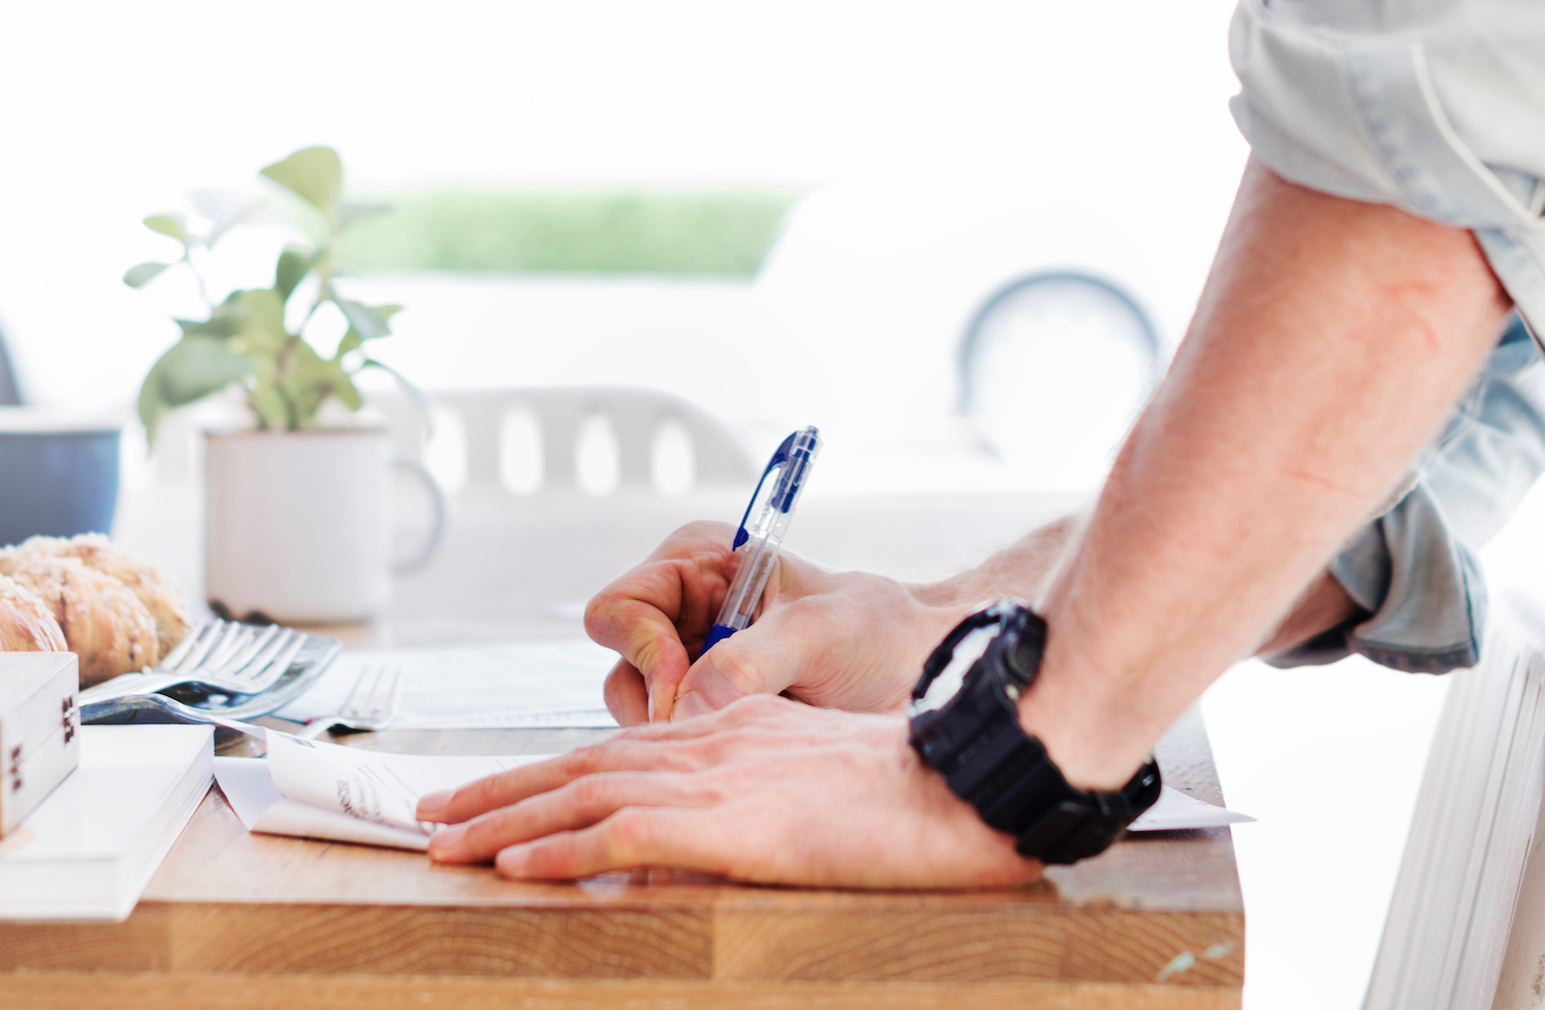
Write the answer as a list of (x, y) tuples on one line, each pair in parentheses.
[(190, 370), (347, 393), (141, 274), (314, 174), (369, 321), (168, 224), (255, 319), (269, 404), (349, 213), (215, 326), (414, 393), (312, 379), (350, 342), (294, 264)]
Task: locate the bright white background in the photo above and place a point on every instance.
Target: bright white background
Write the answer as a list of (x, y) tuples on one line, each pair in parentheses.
[(947, 147)]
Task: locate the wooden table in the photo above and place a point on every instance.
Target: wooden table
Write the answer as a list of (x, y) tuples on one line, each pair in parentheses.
[(240, 920)]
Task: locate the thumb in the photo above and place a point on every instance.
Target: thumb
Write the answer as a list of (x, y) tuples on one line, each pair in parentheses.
[(734, 668)]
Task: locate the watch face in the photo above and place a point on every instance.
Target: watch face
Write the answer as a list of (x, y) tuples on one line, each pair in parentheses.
[(947, 684)]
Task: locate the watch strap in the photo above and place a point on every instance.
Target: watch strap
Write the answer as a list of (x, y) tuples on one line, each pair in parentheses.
[(988, 760)]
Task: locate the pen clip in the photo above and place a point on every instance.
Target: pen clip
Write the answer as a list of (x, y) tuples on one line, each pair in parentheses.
[(778, 458)]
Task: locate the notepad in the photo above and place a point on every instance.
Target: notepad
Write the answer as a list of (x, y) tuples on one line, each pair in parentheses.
[(309, 789), (89, 850)]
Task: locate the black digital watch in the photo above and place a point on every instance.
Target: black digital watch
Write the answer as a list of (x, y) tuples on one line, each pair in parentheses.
[(965, 724)]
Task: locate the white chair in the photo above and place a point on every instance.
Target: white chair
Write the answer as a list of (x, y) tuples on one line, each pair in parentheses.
[(635, 416)]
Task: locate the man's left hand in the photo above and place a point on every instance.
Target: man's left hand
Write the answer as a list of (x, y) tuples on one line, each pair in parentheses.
[(765, 790)]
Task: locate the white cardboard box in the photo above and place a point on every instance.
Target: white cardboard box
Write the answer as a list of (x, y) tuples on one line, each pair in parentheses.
[(39, 729)]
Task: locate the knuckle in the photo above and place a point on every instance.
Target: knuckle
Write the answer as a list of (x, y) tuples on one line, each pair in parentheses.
[(580, 762), (598, 612), (590, 792), (629, 833), (742, 672)]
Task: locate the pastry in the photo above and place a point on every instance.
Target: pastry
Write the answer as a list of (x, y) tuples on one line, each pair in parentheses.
[(104, 623), (26, 623), (151, 583)]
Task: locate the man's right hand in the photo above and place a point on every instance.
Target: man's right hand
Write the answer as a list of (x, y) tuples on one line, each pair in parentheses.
[(839, 640)]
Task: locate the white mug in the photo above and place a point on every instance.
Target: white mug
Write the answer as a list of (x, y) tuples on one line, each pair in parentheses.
[(298, 524)]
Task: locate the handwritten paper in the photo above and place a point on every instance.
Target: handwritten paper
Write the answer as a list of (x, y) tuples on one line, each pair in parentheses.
[(310, 789), (522, 684)]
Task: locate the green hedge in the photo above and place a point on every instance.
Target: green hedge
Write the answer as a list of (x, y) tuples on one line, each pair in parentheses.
[(701, 232)]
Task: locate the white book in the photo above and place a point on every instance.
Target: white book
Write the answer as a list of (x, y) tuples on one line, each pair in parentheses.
[(89, 850)]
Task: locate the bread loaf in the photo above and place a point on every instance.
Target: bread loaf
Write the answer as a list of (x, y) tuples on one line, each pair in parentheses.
[(26, 623), (151, 583), (104, 623)]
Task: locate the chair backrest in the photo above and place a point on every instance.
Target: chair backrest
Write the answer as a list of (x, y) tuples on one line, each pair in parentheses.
[(635, 416), (1051, 371)]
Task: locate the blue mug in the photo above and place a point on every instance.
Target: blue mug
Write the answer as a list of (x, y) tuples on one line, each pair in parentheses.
[(58, 477)]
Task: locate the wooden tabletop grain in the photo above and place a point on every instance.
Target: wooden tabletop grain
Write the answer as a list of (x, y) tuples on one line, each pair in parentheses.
[(240, 920)]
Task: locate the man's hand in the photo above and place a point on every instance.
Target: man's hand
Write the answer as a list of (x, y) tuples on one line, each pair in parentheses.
[(766, 790), (839, 640)]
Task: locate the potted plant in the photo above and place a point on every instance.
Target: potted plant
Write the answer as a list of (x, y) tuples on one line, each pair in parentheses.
[(296, 524)]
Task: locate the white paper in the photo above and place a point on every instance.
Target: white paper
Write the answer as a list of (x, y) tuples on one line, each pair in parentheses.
[(522, 684), (1177, 811), (310, 789)]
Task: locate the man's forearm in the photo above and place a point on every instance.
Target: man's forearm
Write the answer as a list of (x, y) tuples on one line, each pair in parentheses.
[(1330, 341), (1027, 568)]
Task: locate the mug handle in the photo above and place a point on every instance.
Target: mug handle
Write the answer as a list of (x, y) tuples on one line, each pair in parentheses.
[(437, 527)]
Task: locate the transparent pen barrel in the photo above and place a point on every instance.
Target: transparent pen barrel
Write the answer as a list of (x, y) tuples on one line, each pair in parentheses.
[(759, 554)]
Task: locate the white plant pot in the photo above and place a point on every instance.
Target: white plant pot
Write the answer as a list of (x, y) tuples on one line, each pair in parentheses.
[(298, 524)]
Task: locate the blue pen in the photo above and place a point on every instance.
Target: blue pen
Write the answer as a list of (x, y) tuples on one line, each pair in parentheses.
[(761, 542)]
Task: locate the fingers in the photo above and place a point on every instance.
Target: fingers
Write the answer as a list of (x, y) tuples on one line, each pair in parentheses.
[(656, 611), (626, 696), (645, 635), (636, 749), (577, 805), (630, 838)]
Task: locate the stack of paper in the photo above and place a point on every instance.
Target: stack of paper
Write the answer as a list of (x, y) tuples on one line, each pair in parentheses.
[(89, 850)]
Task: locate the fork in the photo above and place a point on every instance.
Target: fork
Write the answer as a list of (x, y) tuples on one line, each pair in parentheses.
[(371, 704), (223, 655)]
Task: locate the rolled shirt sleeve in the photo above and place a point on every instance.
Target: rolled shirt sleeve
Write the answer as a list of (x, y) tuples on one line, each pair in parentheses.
[(1433, 106), (1436, 107), (1414, 570)]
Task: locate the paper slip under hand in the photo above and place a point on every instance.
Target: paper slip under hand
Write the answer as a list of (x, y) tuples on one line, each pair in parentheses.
[(310, 789), (321, 790), (1177, 811)]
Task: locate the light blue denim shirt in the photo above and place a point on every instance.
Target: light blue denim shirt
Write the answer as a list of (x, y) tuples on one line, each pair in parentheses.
[(1436, 107)]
